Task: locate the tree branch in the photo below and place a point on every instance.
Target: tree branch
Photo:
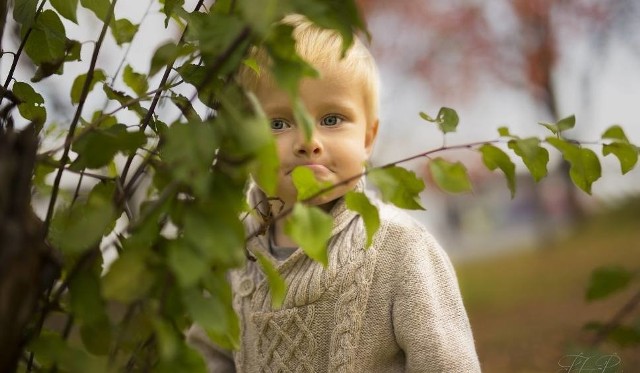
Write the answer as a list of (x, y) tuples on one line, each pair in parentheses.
[(76, 118)]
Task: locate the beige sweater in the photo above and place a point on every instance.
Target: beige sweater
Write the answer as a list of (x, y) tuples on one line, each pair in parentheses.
[(395, 307)]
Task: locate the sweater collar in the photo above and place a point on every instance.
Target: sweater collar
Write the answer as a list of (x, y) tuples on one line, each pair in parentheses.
[(341, 215)]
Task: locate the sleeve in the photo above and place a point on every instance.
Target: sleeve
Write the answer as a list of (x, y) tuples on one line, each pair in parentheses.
[(429, 319), (217, 359)]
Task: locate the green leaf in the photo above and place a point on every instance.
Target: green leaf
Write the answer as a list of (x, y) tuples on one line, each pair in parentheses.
[(504, 132), (264, 169), (185, 263), (137, 82), (303, 118), (165, 54), (215, 233), (169, 7), (262, 14), (191, 163), (615, 132), (359, 202), (210, 312), (342, 16), (585, 165), (625, 336), (99, 7), (96, 336), (24, 12), (47, 41), (98, 146), (78, 84), (533, 155), (32, 104), (67, 9), (81, 227), (562, 125), (450, 177), (185, 107), (214, 31), (626, 153), (51, 349), (427, 117), (606, 281), (447, 120), (167, 339), (310, 227), (129, 278), (123, 31), (124, 100), (306, 183), (276, 282), (398, 185), (85, 300), (288, 67), (493, 157)]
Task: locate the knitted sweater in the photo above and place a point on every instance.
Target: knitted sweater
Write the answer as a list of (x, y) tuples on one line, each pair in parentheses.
[(394, 307)]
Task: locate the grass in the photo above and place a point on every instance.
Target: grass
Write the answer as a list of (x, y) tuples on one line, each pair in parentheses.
[(528, 309)]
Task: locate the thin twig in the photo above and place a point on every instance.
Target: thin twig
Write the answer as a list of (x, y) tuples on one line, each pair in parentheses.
[(156, 97), (616, 320), (288, 210), (18, 53), (76, 118)]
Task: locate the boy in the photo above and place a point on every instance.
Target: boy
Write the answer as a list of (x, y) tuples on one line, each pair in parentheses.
[(394, 307)]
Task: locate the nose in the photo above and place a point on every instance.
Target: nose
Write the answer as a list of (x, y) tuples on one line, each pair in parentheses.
[(311, 147)]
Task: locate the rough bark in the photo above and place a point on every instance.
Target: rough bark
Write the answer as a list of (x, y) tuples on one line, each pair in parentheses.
[(24, 256)]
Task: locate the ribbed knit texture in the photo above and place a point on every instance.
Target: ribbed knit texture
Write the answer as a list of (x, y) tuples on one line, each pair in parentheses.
[(395, 307)]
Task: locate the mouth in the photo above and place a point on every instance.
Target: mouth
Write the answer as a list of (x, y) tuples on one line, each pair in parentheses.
[(315, 167)]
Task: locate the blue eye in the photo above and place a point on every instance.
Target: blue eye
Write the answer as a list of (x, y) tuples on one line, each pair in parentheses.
[(331, 120), (278, 124)]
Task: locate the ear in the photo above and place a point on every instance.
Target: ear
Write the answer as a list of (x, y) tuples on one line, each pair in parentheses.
[(370, 137)]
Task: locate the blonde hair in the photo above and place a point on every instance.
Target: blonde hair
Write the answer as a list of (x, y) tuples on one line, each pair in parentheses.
[(322, 48)]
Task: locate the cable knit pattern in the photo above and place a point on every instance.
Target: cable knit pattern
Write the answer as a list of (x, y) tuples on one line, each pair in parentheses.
[(285, 341), (394, 307)]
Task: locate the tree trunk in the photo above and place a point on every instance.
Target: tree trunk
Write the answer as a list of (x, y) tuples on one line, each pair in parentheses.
[(24, 256)]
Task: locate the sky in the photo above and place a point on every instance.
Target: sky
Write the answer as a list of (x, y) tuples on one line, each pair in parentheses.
[(609, 96)]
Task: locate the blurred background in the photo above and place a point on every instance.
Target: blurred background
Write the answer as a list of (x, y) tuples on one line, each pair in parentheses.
[(524, 263)]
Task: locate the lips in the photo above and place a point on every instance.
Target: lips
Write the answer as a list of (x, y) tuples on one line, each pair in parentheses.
[(315, 167)]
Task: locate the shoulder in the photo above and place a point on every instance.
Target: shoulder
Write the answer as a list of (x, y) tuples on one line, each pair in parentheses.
[(396, 225), (406, 242)]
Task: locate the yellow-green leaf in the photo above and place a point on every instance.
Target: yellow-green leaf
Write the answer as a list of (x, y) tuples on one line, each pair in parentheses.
[(276, 282), (99, 7), (533, 155), (359, 202), (398, 185), (66, 8), (123, 31), (310, 227), (493, 157), (129, 278), (137, 82), (626, 153), (606, 281), (78, 84), (585, 165), (615, 132), (450, 177), (306, 183)]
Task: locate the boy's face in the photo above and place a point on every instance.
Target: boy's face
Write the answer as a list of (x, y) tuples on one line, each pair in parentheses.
[(341, 141)]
